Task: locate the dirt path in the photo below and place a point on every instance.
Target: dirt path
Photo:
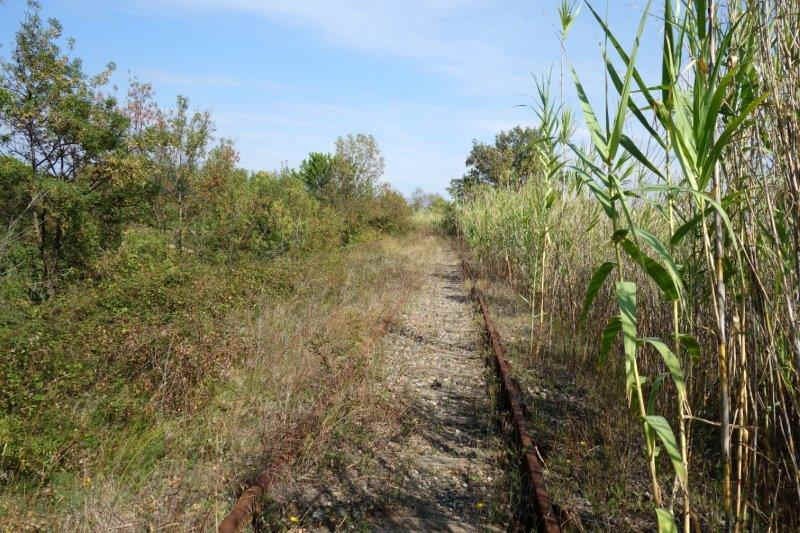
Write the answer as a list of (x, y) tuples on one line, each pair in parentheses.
[(444, 469)]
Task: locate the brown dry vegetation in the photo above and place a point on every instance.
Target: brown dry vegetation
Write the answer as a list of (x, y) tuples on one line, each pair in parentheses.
[(435, 461), (169, 321)]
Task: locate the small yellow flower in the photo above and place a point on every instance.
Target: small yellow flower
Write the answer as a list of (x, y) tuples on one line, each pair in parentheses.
[(480, 505), (293, 519)]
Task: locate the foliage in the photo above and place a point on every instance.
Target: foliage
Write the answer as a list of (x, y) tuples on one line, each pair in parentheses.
[(695, 220), (131, 244), (510, 161), (363, 165), (318, 172), (69, 135), (391, 213), (421, 200), (347, 182)]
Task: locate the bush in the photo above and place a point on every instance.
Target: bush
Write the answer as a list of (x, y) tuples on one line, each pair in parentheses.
[(390, 212)]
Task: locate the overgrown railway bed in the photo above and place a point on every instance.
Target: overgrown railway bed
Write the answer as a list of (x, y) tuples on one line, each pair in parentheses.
[(537, 510), (452, 448)]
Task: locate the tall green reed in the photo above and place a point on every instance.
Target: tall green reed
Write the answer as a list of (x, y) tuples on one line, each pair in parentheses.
[(606, 181), (695, 198)]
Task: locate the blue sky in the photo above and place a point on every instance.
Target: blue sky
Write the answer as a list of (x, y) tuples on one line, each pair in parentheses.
[(284, 78)]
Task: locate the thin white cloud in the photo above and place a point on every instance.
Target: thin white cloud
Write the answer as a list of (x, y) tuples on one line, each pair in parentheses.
[(483, 50), (442, 35)]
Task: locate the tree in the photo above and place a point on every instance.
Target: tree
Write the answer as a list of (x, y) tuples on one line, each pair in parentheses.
[(13, 194), (513, 159), (219, 168), (422, 200), (390, 212), (521, 148), (317, 172), (55, 119), (144, 116), (175, 144), (363, 165), (221, 204), (417, 199)]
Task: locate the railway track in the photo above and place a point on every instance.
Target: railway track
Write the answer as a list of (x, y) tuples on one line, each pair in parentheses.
[(536, 511)]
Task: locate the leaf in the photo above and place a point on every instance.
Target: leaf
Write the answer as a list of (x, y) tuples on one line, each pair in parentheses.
[(683, 139), (668, 59), (671, 361), (598, 139), (701, 197), (724, 46), (700, 24), (602, 199), (586, 161), (663, 253), (655, 388), (690, 344), (608, 337), (622, 54), (682, 231), (624, 97), (626, 300), (595, 284), (594, 222), (726, 136), (710, 112), (632, 105), (632, 149), (619, 235), (656, 272), (666, 522), (550, 199), (661, 427)]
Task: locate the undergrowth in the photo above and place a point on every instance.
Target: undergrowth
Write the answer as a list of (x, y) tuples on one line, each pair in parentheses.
[(147, 398)]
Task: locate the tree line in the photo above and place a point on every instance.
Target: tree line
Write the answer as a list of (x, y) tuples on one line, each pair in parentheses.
[(78, 166)]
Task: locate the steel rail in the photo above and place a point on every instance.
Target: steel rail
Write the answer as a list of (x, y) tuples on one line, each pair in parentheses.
[(534, 491)]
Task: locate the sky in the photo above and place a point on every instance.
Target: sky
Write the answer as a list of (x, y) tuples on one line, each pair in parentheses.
[(285, 78)]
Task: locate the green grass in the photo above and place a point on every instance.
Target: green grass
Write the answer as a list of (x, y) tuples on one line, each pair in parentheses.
[(170, 379)]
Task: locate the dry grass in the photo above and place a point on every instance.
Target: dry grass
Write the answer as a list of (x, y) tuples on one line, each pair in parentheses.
[(301, 372)]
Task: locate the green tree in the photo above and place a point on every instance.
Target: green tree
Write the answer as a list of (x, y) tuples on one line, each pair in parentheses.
[(175, 143), (390, 212), (513, 159), (362, 165), (14, 202), (55, 119), (317, 172), (13, 190)]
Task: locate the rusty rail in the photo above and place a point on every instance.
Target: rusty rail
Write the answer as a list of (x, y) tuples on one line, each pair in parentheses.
[(534, 492), (249, 503)]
